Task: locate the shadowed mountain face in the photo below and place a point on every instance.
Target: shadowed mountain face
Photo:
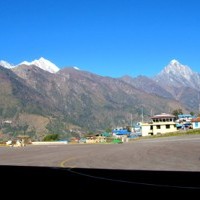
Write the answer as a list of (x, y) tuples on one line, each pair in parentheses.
[(85, 100), (147, 85), (16, 94)]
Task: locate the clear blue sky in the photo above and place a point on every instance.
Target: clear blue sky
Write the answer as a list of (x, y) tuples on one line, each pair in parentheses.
[(106, 37)]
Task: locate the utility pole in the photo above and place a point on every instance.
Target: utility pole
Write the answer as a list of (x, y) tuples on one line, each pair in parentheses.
[(151, 112), (199, 101), (142, 115), (131, 120)]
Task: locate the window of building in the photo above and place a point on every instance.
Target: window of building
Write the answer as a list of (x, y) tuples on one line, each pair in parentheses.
[(167, 126), (158, 126)]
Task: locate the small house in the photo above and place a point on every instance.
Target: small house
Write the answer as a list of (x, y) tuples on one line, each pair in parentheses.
[(195, 123)]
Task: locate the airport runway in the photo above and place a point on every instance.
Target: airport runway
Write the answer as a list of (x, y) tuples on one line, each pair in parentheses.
[(144, 168), (171, 153)]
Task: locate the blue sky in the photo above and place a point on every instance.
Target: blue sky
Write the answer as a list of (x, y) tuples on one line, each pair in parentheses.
[(106, 37)]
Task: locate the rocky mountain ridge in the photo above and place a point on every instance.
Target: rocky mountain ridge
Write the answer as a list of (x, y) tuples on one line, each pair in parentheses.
[(78, 99)]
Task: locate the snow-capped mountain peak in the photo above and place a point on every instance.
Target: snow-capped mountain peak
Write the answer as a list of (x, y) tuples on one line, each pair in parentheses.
[(177, 74), (176, 68), (43, 64), (25, 63), (174, 62), (76, 68), (6, 64)]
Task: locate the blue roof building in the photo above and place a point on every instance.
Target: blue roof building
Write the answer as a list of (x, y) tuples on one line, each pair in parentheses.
[(121, 132)]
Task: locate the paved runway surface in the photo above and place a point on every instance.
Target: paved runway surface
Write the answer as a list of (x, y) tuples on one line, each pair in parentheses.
[(171, 153), (169, 164)]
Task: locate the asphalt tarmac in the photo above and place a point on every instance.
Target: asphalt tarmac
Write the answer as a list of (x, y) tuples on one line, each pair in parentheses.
[(169, 165)]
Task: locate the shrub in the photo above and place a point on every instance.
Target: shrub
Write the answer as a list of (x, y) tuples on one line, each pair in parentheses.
[(51, 137)]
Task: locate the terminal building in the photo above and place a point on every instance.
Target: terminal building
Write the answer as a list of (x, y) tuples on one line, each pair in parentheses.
[(159, 124)]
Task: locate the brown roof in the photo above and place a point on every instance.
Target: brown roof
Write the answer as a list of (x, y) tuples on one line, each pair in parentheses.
[(163, 115), (196, 119)]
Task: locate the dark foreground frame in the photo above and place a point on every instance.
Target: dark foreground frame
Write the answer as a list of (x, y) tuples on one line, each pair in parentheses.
[(86, 183)]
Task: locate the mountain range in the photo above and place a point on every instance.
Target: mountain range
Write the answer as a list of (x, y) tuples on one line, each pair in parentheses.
[(48, 99)]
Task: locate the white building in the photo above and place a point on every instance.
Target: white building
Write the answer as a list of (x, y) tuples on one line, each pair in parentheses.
[(159, 124)]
